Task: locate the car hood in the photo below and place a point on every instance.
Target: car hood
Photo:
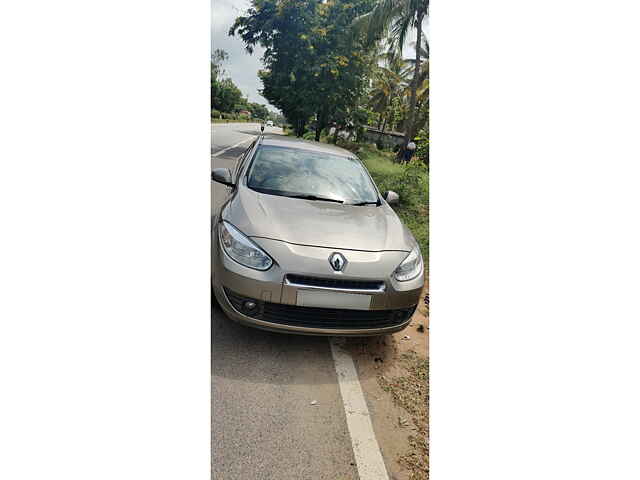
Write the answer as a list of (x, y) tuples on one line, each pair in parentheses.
[(317, 223)]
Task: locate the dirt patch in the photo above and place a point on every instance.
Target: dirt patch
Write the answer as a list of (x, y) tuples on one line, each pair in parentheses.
[(394, 372), (417, 331), (409, 390), (389, 422)]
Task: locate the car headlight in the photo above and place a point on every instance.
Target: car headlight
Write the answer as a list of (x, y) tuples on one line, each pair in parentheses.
[(243, 250), (410, 268)]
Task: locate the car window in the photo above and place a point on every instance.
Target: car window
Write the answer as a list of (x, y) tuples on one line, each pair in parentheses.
[(295, 172)]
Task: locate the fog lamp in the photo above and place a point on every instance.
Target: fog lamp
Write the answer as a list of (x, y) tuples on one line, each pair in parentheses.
[(249, 305)]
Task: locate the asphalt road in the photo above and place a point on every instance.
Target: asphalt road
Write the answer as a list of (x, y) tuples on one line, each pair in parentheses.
[(263, 423)]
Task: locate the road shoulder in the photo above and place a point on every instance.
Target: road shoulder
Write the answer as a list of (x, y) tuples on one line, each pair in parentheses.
[(393, 372)]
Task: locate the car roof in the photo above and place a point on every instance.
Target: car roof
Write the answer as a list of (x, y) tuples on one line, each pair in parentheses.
[(297, 143)]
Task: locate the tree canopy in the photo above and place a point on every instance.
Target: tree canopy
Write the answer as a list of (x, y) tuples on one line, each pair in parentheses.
[(338, 63), (394, 19), (314, 64)]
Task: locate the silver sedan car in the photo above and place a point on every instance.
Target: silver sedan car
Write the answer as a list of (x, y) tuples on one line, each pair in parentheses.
[(305, 243)]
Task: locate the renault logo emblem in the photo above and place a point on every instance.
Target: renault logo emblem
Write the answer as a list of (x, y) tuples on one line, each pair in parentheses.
[(337, 261)]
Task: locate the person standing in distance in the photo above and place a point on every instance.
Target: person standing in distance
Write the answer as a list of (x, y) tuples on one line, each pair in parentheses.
[(409, 151)]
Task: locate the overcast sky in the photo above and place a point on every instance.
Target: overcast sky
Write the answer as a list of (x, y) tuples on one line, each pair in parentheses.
[(241, 67)]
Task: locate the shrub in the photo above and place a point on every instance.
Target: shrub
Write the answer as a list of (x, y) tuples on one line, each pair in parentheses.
[(309, 136), (422, 148)]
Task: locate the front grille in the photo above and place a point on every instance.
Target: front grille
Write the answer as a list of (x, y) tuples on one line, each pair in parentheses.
[(336, 283), (328, 318)]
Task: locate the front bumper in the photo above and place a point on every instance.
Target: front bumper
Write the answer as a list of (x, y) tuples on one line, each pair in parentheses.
[(277, 308)]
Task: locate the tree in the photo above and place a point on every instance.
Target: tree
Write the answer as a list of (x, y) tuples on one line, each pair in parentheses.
[(422, 93), (225, 95), (280, 28), (342, 65), (389, 81), (314, 64), (217, 57), (258, 111), (395, 18)]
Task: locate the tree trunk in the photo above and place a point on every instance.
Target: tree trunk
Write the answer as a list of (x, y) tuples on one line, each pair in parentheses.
[(409, 128), (321, 122), (380, 119), (382, 131), (300, 128), (318, 126)]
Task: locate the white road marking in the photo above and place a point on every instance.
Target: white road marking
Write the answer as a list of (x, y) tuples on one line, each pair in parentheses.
[(232, 146), (365, 446)]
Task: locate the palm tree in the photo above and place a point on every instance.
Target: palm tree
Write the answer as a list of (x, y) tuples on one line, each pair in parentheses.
[(422, 92), (389, 81), (395, 18), (424, 65)]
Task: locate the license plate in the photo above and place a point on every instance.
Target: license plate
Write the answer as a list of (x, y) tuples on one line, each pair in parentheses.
[(350, 301)]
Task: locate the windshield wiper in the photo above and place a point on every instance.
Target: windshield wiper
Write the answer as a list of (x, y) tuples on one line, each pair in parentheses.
[(359, 204), (314, 197)]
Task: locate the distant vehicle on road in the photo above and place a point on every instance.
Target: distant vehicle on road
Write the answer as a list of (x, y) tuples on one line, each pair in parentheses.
[(305, 243), (270, 123)]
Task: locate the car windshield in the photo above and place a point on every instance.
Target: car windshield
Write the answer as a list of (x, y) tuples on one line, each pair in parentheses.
[(316, 175)]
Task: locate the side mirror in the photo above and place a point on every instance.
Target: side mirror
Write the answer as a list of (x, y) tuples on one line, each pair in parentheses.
[(262, 127), (391, 197), (222, 175)]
